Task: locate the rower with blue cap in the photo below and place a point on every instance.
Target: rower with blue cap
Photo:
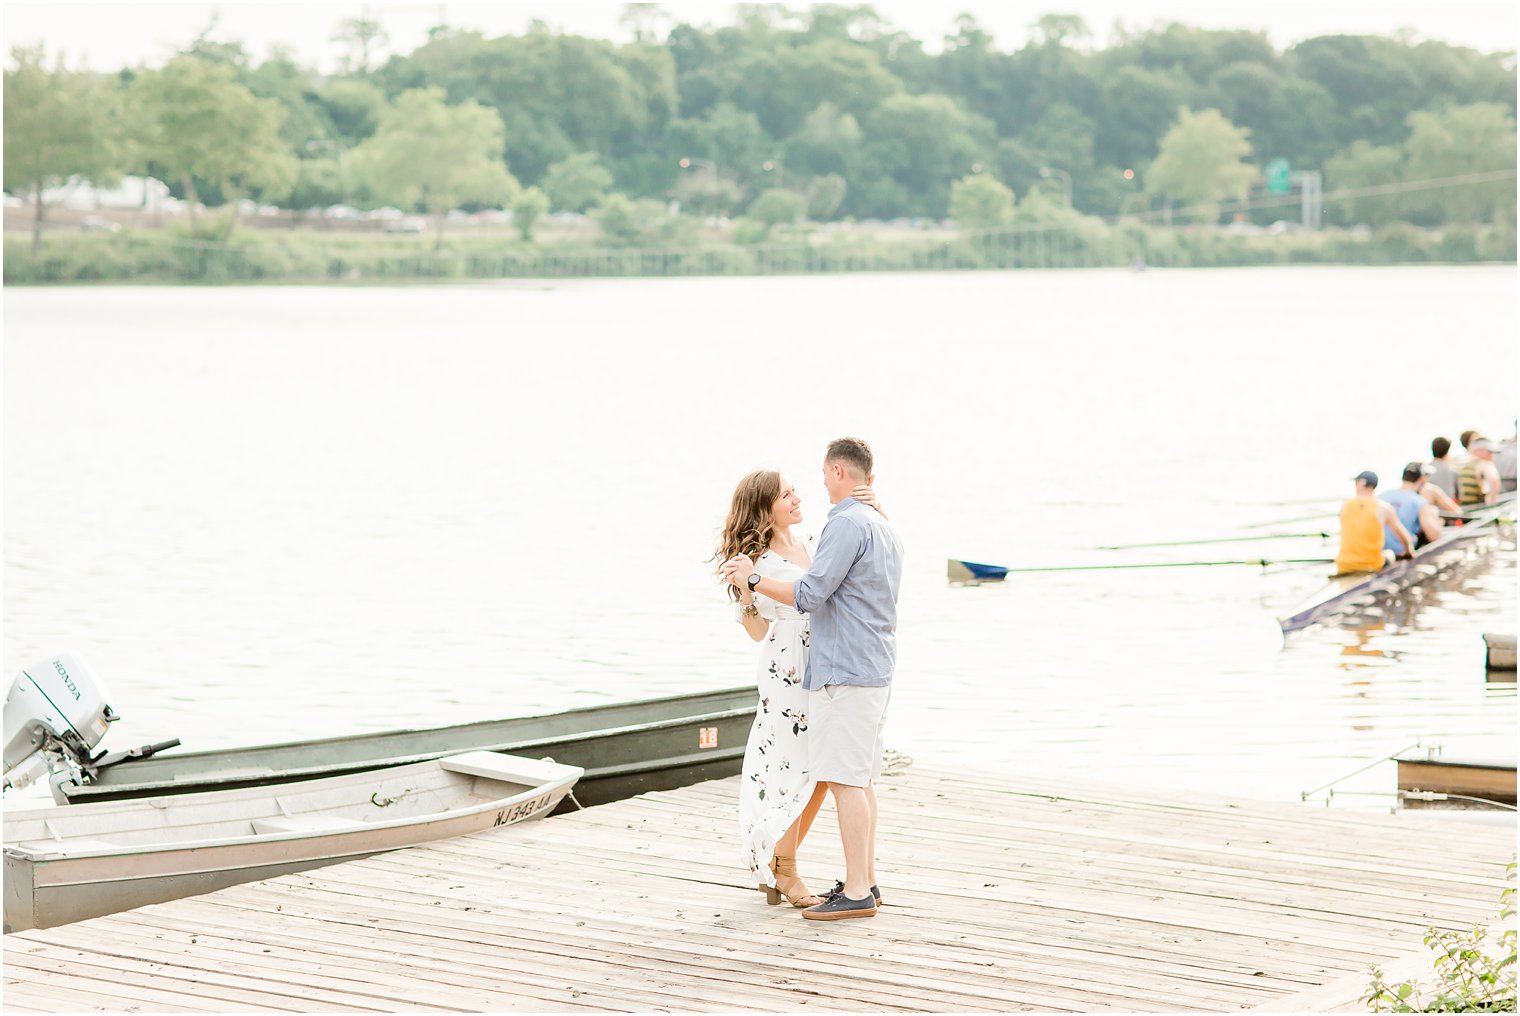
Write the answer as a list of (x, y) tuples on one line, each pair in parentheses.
[(1363, 519)]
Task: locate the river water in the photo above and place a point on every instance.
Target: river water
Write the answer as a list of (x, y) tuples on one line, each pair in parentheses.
[(271, 513)]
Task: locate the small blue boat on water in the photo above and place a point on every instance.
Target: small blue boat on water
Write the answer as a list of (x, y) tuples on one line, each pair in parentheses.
[(970, 571)]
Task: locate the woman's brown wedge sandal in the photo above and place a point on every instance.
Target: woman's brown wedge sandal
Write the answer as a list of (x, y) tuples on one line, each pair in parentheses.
[(785, 866)]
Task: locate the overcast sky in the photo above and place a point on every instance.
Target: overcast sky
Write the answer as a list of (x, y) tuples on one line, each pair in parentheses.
[(110, 35)]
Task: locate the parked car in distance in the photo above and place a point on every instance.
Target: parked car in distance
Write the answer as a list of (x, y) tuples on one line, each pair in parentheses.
[(410, 224), (99, 224)]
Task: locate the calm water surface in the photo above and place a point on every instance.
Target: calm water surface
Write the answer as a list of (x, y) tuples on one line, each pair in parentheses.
[(270, 513)]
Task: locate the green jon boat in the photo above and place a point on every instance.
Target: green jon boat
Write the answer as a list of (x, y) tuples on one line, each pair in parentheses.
[(626, 748)]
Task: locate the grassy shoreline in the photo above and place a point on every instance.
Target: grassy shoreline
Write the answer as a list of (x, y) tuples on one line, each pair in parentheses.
[(307, 257)]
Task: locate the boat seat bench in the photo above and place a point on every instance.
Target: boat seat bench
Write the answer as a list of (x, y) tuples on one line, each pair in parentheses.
[(312, 823), (527, 772)]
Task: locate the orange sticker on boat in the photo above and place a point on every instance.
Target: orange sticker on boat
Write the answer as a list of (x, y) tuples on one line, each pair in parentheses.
[(707, 737)]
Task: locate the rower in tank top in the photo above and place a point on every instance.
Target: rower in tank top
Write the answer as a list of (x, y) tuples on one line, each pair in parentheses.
[(1362, 521), (1478, 479)]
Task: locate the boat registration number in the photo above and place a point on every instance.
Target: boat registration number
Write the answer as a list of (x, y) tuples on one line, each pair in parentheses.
[(523, 810), (707, 737)]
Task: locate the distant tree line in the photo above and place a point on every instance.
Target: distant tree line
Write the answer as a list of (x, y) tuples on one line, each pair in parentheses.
[(822, 114)]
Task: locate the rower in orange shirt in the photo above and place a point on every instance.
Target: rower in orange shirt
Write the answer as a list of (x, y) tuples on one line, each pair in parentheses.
[(1362, 521)]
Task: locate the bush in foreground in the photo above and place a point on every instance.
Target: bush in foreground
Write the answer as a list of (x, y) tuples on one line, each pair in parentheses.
[(1475, 969)]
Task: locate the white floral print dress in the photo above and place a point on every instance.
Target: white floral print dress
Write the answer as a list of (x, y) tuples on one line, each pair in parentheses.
[(776, 785)]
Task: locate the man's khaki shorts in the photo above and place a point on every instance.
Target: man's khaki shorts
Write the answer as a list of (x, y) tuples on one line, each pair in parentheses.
[(845, 726)]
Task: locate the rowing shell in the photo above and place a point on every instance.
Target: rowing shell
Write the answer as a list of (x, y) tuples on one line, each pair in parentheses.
[(1346, 590)]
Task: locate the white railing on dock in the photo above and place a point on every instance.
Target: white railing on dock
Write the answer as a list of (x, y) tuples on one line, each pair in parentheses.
[(1433, 751)]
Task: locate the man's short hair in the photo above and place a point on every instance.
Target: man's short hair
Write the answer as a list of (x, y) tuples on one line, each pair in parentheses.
[(1467, 436), (851, 451), (1439, 447)]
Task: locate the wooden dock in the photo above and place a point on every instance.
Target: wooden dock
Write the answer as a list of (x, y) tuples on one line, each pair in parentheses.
[(1003, 893)]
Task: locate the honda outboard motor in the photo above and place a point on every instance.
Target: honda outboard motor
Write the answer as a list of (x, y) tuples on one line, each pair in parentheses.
[(55, 714)]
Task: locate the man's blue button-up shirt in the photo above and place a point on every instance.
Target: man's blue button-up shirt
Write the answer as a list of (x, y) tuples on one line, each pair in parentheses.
[(850, 593)]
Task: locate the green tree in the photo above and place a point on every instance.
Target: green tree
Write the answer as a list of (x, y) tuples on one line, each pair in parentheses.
[(1055, 29), (706, 192), (1303, 125), (427, 153), (557, 95), (1063, 138), (643, 20), (363, 36), (827, 142), (1462, 140), (1201, 163), (643, 222), (1364, 165), (652, 73), (972, 70), (203, 46), (979, 201), (617, 216), (727, 136), (1247, 93), (777, 207), (200, 126), (577, 183), (1373, 84), (835, 91), (319, 182), (1041, 208), (531, 203), (781, 86), (58, 124), (353, 107), (280, 78), (824, 196), (1136, 107), (923, 143), (844, 21), (1197, 53)]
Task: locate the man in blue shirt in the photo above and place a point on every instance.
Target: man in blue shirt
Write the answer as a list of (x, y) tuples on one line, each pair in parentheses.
[(850, 592), (1416, 513)]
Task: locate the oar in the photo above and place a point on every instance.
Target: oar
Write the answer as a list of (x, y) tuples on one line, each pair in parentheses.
[(1284, 522), (1176, 564), (1302, 500), (1222, 539)]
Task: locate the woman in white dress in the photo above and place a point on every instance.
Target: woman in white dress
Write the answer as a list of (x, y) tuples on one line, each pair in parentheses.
[(778, 799)]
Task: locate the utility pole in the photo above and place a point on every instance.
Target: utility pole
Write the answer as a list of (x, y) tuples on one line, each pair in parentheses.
[(1311, 193)]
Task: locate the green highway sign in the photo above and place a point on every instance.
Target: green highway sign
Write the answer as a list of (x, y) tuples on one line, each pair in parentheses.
[(1277, 177)]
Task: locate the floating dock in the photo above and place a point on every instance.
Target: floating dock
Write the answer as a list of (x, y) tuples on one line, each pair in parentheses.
[(1003, 893), (1474, 778), (1499, 657)]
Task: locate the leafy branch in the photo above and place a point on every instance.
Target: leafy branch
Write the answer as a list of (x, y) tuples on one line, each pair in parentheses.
[(1475, 969)]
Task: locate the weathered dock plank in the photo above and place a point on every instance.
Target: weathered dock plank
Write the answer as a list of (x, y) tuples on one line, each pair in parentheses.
[(1003, 893)]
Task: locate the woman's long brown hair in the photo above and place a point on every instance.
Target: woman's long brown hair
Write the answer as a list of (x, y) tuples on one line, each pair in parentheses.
[(749, 527)]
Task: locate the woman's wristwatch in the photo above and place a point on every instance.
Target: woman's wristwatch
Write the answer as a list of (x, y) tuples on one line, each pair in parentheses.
[(752, 608)]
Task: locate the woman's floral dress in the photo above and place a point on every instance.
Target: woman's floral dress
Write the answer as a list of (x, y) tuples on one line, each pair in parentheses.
[(776, 784)]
